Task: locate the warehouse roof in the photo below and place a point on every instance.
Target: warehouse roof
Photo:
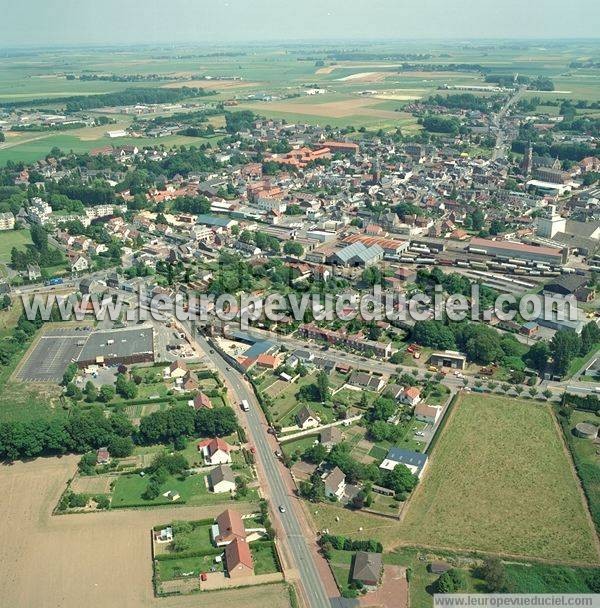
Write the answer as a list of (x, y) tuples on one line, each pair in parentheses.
[(116, 343)]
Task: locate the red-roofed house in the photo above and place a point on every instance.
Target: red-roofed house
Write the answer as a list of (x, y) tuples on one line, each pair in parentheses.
[(268, 361), (238, 559), (215, 451), (229, 527), (201, 400), (411, 395)]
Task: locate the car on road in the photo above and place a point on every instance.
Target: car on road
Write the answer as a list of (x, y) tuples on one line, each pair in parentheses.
[(282, 509), (211, 351), (271, 431), (228, 368)]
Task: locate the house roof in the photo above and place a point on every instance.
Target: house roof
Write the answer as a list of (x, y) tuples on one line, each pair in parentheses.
[(331, 435), (367, 566), (407, 457), (422, 409), (218, 444), (334, 479), (412, 392), (221, 473), (238, 553), (304, 414), (230, 524), (201, 400)]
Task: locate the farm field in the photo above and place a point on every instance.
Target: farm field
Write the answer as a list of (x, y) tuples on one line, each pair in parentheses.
[(489, 487), (501, 481), (104, 558)]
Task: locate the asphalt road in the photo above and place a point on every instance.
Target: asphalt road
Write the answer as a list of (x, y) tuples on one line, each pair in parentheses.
[(309, 576)]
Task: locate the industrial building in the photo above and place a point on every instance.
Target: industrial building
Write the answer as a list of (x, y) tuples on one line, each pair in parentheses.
[(118, 347), (520, 251)]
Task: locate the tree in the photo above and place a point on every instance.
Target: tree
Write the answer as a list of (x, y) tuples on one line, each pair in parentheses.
[(91, 392), (400, 479), (547, 393), (106, 393), (564, 346), (478, 218), (538, 356), (69, 374), (532, 392), (313, 490), (120, 447), (451, 581), (590, 336), (323, 385), (316, 454), (494, 574), (293, 248), (125, 388)]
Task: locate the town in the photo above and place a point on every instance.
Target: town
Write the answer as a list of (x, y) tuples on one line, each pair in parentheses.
[(303, 461)]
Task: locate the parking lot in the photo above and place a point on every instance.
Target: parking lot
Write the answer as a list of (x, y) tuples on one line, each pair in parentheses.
[(51, 355)]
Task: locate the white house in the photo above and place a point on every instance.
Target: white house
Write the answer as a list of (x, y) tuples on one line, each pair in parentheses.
[(335, 483), (411, 395), (306, 419), (221, 479), (177, 369), (428, 413), (215, 451)]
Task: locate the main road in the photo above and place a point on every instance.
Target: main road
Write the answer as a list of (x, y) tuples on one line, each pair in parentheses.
[(304, 560)]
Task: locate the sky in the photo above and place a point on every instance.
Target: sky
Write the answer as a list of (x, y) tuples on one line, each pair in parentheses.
[(68, 22)]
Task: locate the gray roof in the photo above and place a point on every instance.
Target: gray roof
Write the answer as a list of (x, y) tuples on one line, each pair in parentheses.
[(126, 342), (415, 459), (360, 251), (566, 282), (334, 479), (221, 473), (367, 566)]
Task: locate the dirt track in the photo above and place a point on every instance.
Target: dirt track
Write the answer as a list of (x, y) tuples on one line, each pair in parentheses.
[(97, 559)]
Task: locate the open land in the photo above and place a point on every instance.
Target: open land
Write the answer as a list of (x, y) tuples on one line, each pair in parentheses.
[(97, 559), (499, 481)]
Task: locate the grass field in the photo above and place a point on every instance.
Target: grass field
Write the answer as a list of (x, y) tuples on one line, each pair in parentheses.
[(586, 459), (13, 238), (491, 487), (128, 492), (500, 481)]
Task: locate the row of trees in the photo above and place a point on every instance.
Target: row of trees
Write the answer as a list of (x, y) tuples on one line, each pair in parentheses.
[(88, 429)]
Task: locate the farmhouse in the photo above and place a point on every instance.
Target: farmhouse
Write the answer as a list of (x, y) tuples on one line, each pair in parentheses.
[(221, 479), (367, 568), (415, 461), (227, 528), (238, 559), (215, 451)]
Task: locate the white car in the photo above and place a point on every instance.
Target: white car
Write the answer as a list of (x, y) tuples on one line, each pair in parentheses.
[(282, 509)]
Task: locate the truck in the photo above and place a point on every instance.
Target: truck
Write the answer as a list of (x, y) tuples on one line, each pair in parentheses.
[(245, 405)]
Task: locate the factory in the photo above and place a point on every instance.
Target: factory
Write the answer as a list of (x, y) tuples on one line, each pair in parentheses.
[(519, 251)]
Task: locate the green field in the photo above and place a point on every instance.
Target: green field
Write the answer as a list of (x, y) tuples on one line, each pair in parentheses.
[(13, 238), (586, 459), (500, 481), (265, 559)]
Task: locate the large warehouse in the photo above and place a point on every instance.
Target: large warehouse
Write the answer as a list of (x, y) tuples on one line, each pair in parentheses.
[(519, 251), (118, 346)]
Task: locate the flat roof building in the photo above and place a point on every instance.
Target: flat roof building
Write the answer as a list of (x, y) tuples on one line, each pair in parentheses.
[(520, 251), (118, 346)]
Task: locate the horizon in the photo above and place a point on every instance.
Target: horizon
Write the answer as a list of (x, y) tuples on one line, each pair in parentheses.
[(225, 21)]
